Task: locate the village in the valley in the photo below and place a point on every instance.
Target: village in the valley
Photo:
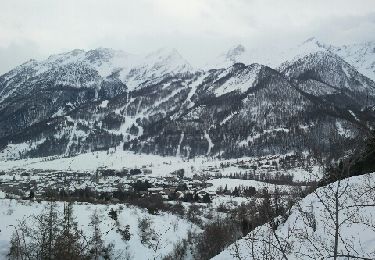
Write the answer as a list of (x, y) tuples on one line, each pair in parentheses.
[(237, 178)]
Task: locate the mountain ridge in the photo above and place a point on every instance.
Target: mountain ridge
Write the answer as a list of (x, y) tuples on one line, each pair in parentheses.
[(162, 105)]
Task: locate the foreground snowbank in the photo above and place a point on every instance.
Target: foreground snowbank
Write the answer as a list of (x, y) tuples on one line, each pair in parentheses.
[(309, 231), (169, 228)]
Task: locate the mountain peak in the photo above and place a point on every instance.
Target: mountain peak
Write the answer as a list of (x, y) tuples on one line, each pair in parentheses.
[(234, 53), (311, 39), (167, 58), (314, 42), (163, 53), (100, 54)]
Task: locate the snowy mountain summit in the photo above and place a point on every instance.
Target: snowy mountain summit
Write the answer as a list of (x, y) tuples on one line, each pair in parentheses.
[(237, 53), (155, 65), (361, 56)]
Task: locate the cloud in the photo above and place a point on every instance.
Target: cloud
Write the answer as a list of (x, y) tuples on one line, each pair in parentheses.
[(17, 53), (197, 28)]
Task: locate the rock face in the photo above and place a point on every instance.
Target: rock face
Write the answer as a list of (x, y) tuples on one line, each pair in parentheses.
[(76, 102)]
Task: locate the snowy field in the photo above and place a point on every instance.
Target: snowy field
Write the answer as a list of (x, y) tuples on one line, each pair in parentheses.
[(161, 166), (92, 161)]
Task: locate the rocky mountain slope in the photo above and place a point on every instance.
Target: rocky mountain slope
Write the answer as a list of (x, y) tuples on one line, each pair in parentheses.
[(36, 91), (361, 56), (76, 102)]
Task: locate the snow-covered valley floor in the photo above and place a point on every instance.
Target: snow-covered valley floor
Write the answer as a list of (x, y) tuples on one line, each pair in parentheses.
[(161, 166)]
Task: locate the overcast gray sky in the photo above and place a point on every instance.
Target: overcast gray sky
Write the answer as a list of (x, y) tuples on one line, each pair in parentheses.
[(199, 29)]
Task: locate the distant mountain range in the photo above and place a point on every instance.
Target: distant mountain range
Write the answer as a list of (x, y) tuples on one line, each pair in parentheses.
[(361, 56), (312, 99)]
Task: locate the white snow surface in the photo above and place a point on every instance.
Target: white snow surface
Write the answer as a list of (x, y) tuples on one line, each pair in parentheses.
[(91, 161), (104, 104), (210, 143), (360, 55), (241, 83), (14, 150)]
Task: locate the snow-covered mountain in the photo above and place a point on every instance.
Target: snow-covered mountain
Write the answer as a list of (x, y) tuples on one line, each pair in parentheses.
[(82, 69), (361, 56), (37, 90), (270, 57), (154, 66), (327, 67), (103, 99)]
